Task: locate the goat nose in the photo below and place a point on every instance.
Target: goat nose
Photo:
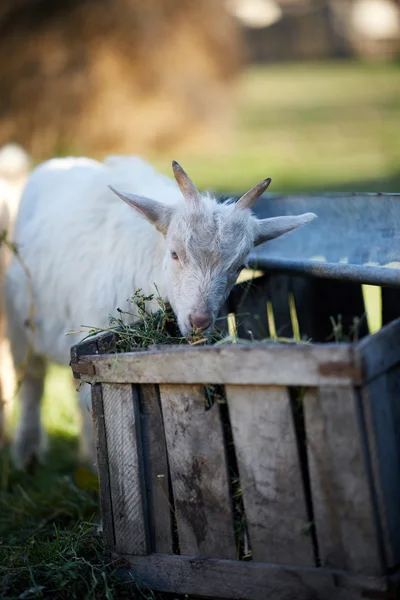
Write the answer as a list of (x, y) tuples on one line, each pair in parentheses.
[(200, 321)]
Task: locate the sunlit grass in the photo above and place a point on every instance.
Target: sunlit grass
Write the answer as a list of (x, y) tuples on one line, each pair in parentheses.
[(60, 410), (310, 127)]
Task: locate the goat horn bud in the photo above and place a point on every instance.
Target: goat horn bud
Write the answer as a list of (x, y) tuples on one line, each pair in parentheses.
[(249, 198), (186, 185)]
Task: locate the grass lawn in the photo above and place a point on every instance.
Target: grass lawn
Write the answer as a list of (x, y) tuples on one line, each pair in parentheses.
[(310, 127)]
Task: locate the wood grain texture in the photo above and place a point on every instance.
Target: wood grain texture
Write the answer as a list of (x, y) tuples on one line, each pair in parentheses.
[(341, 493), (381, 404), (155, 470), (270, 474), (199, 473), (102, 466), (125, 468), (236, 580), (247, 364), (381, 351)]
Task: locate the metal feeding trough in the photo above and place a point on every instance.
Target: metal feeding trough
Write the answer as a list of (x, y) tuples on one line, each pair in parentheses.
[(355, 240)]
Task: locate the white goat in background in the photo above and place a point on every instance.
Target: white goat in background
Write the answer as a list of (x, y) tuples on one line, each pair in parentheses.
[(87, 252), (14, 169)]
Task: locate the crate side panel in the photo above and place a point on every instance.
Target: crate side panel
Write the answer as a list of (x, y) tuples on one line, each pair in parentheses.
[(199, 472), (381, 403), (125, 464), (270, 474), (381, 351), (102, 466), (156, 470), (341, 492)]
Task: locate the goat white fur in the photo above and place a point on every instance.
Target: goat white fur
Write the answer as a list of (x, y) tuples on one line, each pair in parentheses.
[(87, 252)]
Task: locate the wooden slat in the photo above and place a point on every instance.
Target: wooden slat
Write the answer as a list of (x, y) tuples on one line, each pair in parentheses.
[(102, 466), (268, 364), (125, 467), (155, 470), (270, 474), (236, 580), (342, 503), (381, 351), (199, 473), (381, 403)]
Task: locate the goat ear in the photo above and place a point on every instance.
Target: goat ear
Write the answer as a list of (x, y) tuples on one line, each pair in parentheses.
[(269, 229), (186, 185), (157, 213)]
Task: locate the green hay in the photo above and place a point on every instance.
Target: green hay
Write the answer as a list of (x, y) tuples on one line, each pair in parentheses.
[(147, 328)]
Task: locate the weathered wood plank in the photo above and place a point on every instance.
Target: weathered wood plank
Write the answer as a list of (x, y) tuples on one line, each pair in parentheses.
[(342, 503), (381, 351), (254, 581), (155, 470), (381, 403), (268, 364), (125, 468), (102, 466), (199, 472), (270, 474)]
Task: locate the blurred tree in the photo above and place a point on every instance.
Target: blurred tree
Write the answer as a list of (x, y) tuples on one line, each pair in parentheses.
[(100, 76)]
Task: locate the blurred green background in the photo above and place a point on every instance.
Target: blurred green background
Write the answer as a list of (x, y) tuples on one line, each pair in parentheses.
[(311, 126)]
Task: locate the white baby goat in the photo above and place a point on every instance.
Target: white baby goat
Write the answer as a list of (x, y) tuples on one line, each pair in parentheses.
[(87, 252)]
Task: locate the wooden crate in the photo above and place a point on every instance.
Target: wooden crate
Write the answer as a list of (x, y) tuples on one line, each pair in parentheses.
[(320, 478)]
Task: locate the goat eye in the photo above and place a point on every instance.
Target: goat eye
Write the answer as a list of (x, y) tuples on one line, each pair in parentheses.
[(174, 255)]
